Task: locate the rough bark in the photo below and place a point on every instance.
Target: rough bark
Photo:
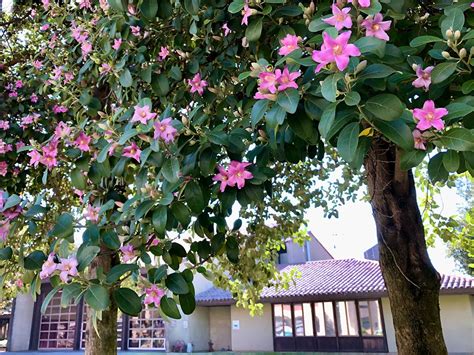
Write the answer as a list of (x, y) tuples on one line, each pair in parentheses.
[(104, 340), (411, 280)]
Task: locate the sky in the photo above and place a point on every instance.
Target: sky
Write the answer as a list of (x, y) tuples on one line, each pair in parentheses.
[(354, 231)]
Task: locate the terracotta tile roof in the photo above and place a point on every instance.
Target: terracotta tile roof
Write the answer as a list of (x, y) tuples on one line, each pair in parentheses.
[(334, 279)]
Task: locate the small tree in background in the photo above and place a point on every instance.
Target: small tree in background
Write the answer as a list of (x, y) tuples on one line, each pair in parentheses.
[(126, 124)]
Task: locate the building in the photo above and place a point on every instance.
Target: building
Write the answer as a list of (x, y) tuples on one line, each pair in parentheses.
[(336, 305)]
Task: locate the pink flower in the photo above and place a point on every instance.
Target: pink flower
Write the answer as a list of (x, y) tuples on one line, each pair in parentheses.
[(340, 18), (3, 168), (59, 109), (336, 50), (13, 212), (165, 130), (424, 77), (45, 4), (92, 213), (4, 230), (104, 5), (4, 125), (128, 253), (44, 27), (86, 48), (429, 116), (57, 71), (135, 30), (19, 283), (82, 142), (375, 27), (19, 145), (223, 177), (153, 295), (362, 3), (246, 13), (37, 64), (4, 147), (68, 77), (238, 174), (105, 68), (197, 85), (267, 81), (289, 44), (48, 268), (67, 267), (79, 34), (34, 98), (62, 130), (143, 114), (286, 79), (18, 84), (132, 151), (117, 44), (226, 29), (234, 175), (419, 140), (85, 4), (164, 52), (35, 158)]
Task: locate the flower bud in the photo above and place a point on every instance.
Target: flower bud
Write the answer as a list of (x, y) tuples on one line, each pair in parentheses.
[(457, 34), (449, 33), (361, 66), (185, 120), (414, 66), (446, 55), (245, 42), (462, 53)]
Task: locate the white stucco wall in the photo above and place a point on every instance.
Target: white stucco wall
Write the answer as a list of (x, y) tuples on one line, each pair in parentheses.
[(220, 327), (21, 326), (457, 319), (254, 333), (190, 329)]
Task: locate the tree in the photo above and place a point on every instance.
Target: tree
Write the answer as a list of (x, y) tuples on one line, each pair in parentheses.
[(163, 116)]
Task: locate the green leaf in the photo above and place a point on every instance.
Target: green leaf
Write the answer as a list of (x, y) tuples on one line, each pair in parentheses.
[(459, 139), (422, 40), (276, 116), (12, 201), (329, 87), (128, 301), (411, 158), (118, 5), (176, 283), (436, 169), (232, 249), (170, 170), (149, 8), (35, 260), (371, 45), (454, 20), (258, 111), (254, 30), (118, 270), (168, 307), (192, 6), (160, 84), (129, 133), (451, 161), (317, 25), (187, 303), (48, 299), (352, 98), (386, 107), (78, 179), (468, 86), (155, 275), (182, 213), (63, 227), (6, 253), (457, 110), (443, 71), (159, 219), (236, 6), (111, 240), (376, 71), (327, 119), (70, 291), (143, 209), (85, 255), (126, 78), (195, 197), (288, 100), (97, 297), (348, 141), (207, 162), (396, 131)]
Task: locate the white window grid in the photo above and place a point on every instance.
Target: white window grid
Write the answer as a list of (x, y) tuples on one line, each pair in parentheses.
[(57, 326), (147, 331)]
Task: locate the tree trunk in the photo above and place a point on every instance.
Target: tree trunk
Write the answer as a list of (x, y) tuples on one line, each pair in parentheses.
[(104, 340), (412, 282)]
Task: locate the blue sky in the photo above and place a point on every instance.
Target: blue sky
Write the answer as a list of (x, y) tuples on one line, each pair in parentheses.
[(354, 231)]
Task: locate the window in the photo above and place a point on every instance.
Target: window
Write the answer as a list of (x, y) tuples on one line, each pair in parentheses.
[(57, 325), (324, 319), (147, 331), (347, 318), (283, 320), (370, 319), (303, 319)]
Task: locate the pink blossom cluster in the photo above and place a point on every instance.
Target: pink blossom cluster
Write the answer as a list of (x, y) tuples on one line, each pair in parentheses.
[(335, 50), (82, 36), (66, 267), (427, 117), (47, 157), (270, 83), (153, 295), (164, 130), (128, 253), (289, 44), (423, 79), (197, 84), (91, 213), (236, 174)]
